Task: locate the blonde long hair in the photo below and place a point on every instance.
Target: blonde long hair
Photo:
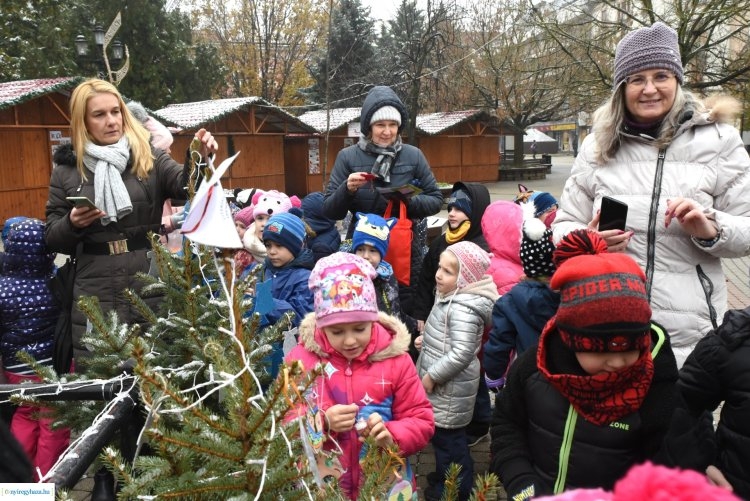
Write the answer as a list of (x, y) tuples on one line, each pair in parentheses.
[(138, 136), (608, 121)]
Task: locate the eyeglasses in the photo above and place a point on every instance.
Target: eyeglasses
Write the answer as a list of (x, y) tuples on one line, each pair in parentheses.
[(660, 79)]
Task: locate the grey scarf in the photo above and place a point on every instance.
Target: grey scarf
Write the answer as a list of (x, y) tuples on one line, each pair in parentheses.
[(108, 163), (386, 156)]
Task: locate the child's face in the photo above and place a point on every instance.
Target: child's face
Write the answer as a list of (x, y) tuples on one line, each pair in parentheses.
[(596, 363), (369, 254), (277, 254), (241, 228), (349, 339), (446, 276), (455, 217), (260, 223)]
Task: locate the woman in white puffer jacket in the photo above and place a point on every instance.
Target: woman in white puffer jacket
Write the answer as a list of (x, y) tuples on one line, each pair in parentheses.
[(684, 173)]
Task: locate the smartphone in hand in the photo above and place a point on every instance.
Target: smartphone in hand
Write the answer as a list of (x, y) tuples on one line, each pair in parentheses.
[(81, 202), (613, 214)]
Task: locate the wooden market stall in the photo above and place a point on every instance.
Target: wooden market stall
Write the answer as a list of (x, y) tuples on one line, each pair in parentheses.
[(254, 127), (34, 121)]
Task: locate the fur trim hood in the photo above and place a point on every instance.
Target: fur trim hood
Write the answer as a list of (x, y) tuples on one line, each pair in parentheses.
[(65, 155), (390, 338)]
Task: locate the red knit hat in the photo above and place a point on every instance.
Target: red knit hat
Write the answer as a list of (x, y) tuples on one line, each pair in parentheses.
[(603, 301)]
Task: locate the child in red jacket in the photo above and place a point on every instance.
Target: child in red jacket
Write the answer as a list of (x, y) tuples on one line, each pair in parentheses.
[(368, 377)]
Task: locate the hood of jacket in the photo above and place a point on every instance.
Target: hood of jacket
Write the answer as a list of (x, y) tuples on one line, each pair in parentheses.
[(484, 287), (312, 213), (735, 329), (26, 253), (380, 96), (501, 226), (480, 199), (390, 338), (65, 155)]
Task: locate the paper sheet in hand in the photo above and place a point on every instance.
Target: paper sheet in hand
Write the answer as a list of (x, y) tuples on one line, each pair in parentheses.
[(210, 220), (263, 298), (405, 191)]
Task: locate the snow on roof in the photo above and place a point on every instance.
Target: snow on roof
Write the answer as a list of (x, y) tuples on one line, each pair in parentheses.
[(339, 116), (196, 114), (435, 123), (20, 91), (538, 136)]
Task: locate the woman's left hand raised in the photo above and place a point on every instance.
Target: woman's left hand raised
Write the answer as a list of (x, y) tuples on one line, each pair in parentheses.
[(208, 142), (692, 218)]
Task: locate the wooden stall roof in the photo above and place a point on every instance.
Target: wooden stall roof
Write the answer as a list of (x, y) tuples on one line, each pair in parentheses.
[(339, 117), (268, 118), (465, 122), (18, 92)]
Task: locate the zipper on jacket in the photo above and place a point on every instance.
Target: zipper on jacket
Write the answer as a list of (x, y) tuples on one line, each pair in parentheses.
[(353, 453), (567, 443), (708, 291), (651, 237)]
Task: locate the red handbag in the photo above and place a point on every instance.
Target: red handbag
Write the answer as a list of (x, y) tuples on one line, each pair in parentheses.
[(399, 245)]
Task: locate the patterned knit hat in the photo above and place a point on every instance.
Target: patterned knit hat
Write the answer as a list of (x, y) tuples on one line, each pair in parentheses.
[(287, 230), (647, 48), (386, 113), (343, 291), (543, 202), (473, 262), (245, 216), (373, 230), (536, 244), (461, 200), (603, 302), (272, 202)]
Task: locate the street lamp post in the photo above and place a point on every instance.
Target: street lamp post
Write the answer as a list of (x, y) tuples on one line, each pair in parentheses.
[(86, 57)]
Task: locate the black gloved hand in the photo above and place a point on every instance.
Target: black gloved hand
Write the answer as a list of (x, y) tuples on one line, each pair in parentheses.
[(690, 441), (523, 487)]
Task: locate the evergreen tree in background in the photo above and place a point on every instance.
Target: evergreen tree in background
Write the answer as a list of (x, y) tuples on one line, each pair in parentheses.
[(344, 71)]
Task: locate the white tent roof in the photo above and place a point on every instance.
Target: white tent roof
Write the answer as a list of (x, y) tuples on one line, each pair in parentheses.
[(538, 136)]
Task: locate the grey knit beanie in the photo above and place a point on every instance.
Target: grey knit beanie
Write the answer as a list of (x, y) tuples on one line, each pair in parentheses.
[(646, 49)]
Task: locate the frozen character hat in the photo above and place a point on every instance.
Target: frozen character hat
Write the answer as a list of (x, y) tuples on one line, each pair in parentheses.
[(272, 202), (287, 230), (648, 48), (245, 216), (603, 301), (386, 113), (373, 230), (343, 291), (543, 202), (523, 194), (461, 200), (473, 262), (536, 244)]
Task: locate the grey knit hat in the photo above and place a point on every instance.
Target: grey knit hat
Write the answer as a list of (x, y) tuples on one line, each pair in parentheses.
[(646, 49)]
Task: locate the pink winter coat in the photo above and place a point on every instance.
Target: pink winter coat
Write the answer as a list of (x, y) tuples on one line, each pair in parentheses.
[(501, 226), (382, 379)]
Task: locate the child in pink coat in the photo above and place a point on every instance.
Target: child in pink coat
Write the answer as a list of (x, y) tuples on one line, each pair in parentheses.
[(368, 376)]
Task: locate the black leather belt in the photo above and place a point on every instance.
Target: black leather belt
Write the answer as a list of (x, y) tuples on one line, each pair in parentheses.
[(115, 247)]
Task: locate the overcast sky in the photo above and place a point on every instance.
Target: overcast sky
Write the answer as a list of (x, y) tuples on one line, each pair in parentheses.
[(382, 10)]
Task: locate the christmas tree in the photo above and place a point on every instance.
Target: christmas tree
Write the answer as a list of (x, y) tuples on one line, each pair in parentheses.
[(215, 425)]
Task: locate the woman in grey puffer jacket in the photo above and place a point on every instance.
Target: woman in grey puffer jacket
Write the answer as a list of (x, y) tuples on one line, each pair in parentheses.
[(448, 363)]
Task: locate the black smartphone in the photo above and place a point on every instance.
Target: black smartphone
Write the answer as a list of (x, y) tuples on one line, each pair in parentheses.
[(613, 214), (81, 202)]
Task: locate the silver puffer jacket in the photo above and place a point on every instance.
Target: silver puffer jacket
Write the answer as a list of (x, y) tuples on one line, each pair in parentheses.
[(452, 338), (705, 162)]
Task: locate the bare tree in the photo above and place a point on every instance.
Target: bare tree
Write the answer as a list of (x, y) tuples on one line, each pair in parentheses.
[(517, 68), (264, 43), (712, 34)]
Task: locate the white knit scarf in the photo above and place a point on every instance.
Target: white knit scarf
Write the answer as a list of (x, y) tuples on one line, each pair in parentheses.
[(108, 163)]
